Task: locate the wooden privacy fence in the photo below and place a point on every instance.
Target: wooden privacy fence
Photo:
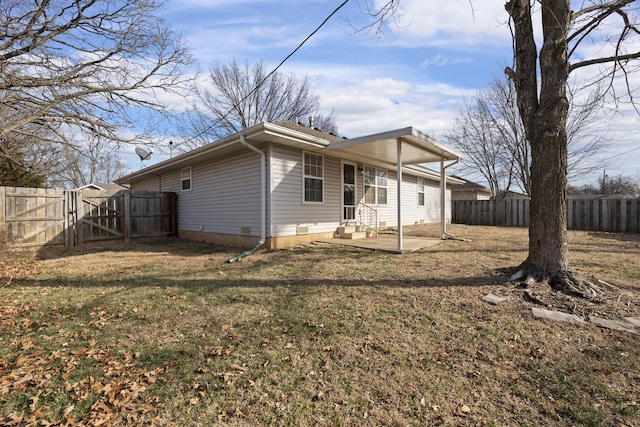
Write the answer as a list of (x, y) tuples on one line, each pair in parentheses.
[(613, 215), (39, 216)]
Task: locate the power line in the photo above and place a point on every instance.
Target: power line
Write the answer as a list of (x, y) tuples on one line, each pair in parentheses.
[(208, 128), (620, 154)]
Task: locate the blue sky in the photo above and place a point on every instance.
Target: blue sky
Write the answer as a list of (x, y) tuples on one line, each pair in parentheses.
[(440, 53)]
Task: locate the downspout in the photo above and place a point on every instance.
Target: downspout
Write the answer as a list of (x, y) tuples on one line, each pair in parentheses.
[(443, 197), (263, 203)]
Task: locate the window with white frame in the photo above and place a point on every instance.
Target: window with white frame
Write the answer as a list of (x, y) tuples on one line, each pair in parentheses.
[(313, 177), (185, 177), (375, 186), (420, 191)]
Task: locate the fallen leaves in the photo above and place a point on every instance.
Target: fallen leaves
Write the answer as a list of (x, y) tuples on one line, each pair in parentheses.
[(462, 411), (120, 392), (94, 385)]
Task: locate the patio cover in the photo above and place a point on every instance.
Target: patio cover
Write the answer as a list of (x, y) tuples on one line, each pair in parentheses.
[(406, 146)]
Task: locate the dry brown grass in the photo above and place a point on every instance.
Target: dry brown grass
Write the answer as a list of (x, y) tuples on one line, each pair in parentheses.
[(324, 335)]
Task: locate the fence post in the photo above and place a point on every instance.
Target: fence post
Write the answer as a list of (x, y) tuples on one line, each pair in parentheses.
[(174, 214), (623, 215), (70, 215), (127, 216), (3, 208), (570, 214)]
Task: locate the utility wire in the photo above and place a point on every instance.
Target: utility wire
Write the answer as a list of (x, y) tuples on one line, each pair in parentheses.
[(620, 154), (208, 128)]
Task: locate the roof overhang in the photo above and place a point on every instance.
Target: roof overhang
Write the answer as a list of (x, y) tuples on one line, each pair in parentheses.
[(260, 133), (417, 148), (378, 149)]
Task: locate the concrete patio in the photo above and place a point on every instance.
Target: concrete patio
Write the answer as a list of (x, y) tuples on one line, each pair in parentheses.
[(387, 243)]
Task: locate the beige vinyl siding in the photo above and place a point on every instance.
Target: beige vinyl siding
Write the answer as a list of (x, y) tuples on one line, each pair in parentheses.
[(168, 182), (152, 183), (287, 207), (411, 212), (387, 213), (224, 196)]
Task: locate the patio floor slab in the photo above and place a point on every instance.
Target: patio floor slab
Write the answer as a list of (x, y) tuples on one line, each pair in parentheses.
[(387, 243)]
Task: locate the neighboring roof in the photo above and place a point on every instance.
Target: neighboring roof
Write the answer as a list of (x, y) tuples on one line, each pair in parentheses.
[(103, 187), (378, 149), (509, 194), (469, 186)]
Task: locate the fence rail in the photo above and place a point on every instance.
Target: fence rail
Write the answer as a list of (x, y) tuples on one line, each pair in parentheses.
[(613, 215), (39, 216)]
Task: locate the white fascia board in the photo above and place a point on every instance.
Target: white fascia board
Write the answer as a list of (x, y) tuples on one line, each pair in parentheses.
[(295, 136), (297, 139), (429, 174)]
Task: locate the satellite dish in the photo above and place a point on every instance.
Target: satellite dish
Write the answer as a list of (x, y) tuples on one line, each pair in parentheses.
[(143, 154)]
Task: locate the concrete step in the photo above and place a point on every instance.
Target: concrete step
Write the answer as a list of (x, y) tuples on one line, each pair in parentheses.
[(354, 235), (346, 229)]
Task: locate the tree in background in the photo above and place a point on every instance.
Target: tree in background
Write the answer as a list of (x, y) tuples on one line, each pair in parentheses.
[(610, 32), (489, 131), (16, 170), (237, 96), (27, 161), (72, 69), (97, 162)]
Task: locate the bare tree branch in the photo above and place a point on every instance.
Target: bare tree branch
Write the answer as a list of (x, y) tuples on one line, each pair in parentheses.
[(88, 65), (244, 95)]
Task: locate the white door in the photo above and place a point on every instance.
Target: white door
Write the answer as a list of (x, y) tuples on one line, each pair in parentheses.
[(348, 192)]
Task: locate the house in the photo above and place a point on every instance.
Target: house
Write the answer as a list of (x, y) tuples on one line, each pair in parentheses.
[(469, 190), (511, 195), (103, 187), (284, 183)]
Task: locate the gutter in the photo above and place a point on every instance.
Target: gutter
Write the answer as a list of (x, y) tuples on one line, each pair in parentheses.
[(263, 203)]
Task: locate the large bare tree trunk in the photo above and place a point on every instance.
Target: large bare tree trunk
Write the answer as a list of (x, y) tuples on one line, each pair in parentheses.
[(544, 115), (546, 128)]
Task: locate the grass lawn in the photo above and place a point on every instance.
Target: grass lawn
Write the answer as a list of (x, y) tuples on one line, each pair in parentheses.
[(165, 333)]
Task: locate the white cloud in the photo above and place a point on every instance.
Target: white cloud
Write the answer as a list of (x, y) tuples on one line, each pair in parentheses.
[(453, 23), (442, 61)]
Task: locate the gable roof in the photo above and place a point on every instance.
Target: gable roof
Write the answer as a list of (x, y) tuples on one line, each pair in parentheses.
[(310, 131), (377, 149), (102, 187), (468, 185)]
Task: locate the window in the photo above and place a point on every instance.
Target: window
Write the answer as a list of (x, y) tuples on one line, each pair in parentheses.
[(313, 178), (375, 186), (185, 177), (420, 191)]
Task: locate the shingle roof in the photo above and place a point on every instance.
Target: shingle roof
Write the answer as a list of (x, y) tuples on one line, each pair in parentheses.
[(310, 131), (468, 185)]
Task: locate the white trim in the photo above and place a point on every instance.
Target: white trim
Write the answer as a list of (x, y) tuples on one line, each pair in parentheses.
[(183, 179), (422, 180), (305, 176), (375, 185), (355, 187)]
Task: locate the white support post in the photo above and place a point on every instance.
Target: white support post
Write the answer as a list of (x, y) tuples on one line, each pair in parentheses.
[(443, 194), (399, 143)]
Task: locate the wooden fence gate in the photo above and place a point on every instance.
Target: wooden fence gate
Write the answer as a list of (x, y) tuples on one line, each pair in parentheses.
[(38, 216)]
